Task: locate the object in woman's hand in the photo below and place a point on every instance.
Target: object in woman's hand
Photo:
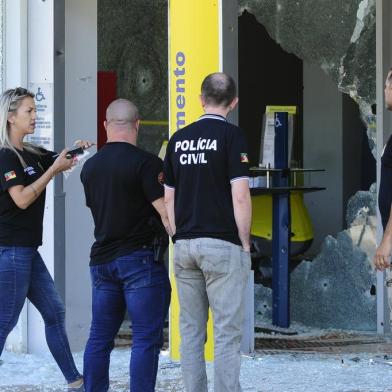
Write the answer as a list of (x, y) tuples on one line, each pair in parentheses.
[(72, 153)]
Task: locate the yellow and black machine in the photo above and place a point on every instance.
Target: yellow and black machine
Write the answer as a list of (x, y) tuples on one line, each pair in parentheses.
[(281, 227), (301, 230), (301, 235)]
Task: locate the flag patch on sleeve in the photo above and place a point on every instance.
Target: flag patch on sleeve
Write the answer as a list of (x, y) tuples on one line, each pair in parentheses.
[(161, 178), (244, 157), (10, 175)]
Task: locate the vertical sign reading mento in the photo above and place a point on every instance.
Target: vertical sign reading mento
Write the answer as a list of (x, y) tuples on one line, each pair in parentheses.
[(43, 134), (194, 52)]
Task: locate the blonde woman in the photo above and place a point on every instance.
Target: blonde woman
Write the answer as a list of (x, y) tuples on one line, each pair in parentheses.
[(25, 170)]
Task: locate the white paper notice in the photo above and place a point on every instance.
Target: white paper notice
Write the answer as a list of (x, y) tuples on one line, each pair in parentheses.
[(43, 134), (269, 141)]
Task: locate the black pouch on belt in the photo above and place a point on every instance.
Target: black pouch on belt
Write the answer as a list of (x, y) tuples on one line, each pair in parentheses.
[(161, 239)]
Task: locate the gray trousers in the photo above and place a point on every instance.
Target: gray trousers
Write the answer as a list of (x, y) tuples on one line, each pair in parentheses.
[(211, 273)]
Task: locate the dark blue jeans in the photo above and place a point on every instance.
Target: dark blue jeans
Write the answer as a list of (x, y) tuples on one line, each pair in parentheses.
[(24, 274), (138, 284)]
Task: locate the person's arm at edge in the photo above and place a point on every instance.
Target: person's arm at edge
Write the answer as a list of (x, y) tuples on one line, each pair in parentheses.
[(169, 203), (159, 205), (242, 205), (383, 253)]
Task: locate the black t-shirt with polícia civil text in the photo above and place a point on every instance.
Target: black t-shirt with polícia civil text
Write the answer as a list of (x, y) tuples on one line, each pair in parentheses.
[(385, 191), (120, 183), (202, 160), (20, 227)]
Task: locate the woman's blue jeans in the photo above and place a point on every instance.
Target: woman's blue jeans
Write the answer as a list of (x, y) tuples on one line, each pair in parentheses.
[(138, 284), (23, 274)]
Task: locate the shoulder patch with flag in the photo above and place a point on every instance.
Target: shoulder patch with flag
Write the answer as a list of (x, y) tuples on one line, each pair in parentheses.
[(244, 157), (10, 175), (161, 178)]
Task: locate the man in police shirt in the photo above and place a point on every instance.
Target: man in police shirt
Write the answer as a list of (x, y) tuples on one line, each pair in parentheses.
[(209, 207)]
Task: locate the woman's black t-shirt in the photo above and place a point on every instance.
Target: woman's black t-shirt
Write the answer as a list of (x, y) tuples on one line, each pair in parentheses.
[(20, 227)]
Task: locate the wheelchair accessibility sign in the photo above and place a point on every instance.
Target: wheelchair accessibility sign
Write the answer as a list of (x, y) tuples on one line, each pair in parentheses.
[(43, 134), (39, 95), (277, 121)]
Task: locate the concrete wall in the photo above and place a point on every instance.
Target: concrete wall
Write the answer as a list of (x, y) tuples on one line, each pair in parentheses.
[(14, 37), (80, 123), (15, 43), (323, 148), (230, 46), (41, 72)]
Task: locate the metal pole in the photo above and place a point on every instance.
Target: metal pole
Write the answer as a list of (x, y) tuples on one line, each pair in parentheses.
[(281, 228)]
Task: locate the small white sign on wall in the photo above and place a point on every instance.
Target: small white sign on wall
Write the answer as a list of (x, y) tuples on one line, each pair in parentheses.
[(267, 148), (43, 134)]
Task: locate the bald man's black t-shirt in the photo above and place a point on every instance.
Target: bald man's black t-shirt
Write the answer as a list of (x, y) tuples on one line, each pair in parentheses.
[(120, 183), (202, 160), (385, 191)]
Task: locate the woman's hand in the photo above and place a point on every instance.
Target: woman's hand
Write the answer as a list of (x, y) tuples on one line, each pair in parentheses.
[(85, 144), (62, 163)]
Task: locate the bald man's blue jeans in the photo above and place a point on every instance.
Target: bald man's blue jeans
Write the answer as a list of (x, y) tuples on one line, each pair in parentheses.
[(141, 286)]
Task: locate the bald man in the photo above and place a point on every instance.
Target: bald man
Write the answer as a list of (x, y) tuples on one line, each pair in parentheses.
[(123, 189)]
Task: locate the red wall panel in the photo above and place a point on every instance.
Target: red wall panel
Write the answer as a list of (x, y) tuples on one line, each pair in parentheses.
[(107, 92)]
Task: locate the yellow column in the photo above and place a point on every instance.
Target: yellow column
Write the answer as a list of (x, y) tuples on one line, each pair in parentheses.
[(194, 52)]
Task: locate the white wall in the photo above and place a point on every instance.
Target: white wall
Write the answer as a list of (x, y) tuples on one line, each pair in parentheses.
[(15, 74), (40, 71), (323, 148), (81, 118), (15, 43)]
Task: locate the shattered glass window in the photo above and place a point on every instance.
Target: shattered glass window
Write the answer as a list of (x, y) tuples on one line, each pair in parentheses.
[(337, 288), (338, 35)]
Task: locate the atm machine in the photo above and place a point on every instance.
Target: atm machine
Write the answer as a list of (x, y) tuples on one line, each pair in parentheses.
[(281, 226)]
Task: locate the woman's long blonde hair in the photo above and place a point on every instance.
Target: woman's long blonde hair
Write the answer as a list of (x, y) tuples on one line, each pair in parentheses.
[(10, 101)]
